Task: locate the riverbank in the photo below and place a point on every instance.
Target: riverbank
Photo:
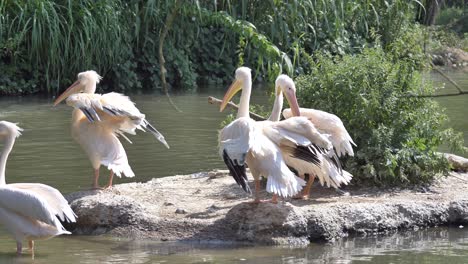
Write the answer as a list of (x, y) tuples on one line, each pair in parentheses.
[(209, 206)]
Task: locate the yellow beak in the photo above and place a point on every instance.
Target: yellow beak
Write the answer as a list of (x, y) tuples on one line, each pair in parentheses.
[(69, 91), (235, 87)]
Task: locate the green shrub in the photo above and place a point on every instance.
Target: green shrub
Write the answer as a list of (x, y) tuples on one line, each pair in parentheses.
[(397, 134), (441, 38), (449, 15), (49, 42)]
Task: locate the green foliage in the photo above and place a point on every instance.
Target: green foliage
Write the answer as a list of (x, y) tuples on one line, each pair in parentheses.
[(49, 42), (59, 38), (335, 27), (408, 47), (441, 38), (449, 15), (397, 134)]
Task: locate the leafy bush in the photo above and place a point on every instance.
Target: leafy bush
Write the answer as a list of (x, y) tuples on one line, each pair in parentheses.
[(441, 38), (397, 133), (48, 42), (449, 15)]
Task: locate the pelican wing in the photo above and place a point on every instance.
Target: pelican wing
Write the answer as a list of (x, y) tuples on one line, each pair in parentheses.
[(307, 150), (28, 204), (57, 203), (297, 131), (115, 111), (329, 124), (235, 141)]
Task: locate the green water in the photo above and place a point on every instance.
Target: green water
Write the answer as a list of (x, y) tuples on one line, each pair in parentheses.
[(46, 153), (456, 106), (435, 245)]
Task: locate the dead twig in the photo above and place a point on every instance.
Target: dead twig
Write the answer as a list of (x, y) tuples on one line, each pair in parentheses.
[(216, 101), (167, 25), (459, 89)]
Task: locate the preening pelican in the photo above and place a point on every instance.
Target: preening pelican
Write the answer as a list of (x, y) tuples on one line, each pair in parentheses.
[(29, 211), (328, 169), (98, 119), (261, 144)]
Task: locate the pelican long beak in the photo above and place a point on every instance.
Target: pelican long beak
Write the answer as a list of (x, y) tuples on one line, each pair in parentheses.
[(235, 87), (292, 100), (74, 88)]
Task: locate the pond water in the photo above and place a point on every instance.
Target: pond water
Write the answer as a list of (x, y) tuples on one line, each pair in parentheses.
[(434, 245), (46, 153)]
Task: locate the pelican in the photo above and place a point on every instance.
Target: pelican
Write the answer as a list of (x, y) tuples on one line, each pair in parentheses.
[(328, 170), (261, 145), (29, 211), (98, 119)]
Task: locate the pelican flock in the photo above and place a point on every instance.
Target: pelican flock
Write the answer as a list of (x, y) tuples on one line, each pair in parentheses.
[(29, 211), (98, 119), (268, 146), (308, 141)]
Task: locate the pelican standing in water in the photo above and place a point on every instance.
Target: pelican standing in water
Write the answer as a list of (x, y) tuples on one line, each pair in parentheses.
[(328, 170), (261, 144), (98, 119), (29, 211)]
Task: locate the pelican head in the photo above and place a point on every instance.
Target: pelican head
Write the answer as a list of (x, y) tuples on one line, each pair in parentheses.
[(86, 82), (243, 75), (284, 84), (8, 129)]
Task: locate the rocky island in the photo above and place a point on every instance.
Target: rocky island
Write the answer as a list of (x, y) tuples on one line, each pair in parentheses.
[(209, 206)]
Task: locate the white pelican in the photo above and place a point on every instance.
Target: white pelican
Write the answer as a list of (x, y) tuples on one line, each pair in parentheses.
[(29, 210), (261, 144), (98, 119), (328, 170)]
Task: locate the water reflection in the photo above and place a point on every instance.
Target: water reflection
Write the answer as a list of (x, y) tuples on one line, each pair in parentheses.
[(424, 246)]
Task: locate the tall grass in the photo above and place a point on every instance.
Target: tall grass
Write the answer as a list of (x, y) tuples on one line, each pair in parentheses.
[(338, 26), (62, 37), (53, 40)]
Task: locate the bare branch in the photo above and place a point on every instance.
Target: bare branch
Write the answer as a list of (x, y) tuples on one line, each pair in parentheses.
[(216, 101), (460, 90), (167, 25)]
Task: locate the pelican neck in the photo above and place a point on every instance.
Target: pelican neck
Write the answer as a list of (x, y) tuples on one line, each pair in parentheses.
[(8, 146), (277, 107), (90, 89), (245, 99)]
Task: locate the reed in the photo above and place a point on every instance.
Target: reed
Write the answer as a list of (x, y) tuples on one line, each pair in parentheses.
[(53, 40)]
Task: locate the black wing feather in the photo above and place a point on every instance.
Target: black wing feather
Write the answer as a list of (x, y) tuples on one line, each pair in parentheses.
[(90, 114), (87, 114), (333, 158), (306, 153), (238, 172)]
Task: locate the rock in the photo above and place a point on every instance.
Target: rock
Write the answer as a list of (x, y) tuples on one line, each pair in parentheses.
[(268, 223), (456, 162), (223, 213), (180, 211), (102, 211), (450, 57)]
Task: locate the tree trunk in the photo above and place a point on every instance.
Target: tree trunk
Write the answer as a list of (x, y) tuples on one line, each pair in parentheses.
[(432, 9)]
